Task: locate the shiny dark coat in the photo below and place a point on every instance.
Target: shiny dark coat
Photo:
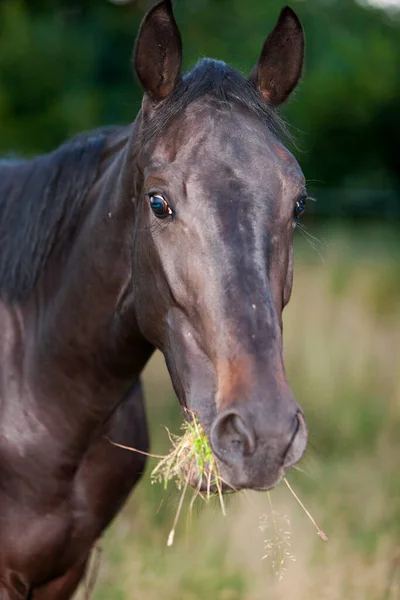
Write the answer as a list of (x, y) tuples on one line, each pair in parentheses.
[(94, 277)]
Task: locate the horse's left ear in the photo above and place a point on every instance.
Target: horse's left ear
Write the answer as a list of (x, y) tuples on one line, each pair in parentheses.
[(158, 52), (281, 62)]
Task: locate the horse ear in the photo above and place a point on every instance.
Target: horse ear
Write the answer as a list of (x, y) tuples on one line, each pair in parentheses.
[(281, 62), (158, 51)]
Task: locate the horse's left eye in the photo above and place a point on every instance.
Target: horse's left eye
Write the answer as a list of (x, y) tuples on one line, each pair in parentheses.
[(300, 207), (159, 206)]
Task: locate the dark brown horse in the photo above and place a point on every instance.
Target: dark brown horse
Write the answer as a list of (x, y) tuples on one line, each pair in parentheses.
[(173, 233)]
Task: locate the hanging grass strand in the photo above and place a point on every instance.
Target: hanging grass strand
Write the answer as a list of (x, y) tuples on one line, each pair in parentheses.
[(132, 449), (178, 512), (321, 533), (190, 462), (278, 544)]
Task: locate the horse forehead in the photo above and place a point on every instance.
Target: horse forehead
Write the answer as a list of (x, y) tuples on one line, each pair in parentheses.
[(237, 138), (226, 143), (224, 149), (211, 124)]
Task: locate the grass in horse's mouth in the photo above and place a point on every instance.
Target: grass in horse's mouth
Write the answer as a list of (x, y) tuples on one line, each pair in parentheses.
[(191, 462)]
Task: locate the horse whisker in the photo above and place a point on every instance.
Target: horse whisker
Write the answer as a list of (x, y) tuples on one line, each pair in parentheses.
[(311, 239)]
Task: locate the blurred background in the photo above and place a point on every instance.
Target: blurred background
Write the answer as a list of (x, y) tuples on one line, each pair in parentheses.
[(65, 67)]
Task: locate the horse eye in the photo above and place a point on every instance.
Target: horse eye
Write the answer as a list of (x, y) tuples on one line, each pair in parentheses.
[(300, 207), (159, 206)]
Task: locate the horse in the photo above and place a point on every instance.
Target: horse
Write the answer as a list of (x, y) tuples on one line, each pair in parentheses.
[(172, 233)]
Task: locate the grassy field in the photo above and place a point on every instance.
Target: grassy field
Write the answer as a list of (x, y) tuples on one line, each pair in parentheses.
[(342, 346)]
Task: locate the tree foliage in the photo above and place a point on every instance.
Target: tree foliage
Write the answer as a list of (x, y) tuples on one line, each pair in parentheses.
[(65, 66)]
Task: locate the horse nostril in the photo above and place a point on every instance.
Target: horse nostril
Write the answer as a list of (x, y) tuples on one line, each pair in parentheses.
[(298, 443), (296, 425), (231, 437)]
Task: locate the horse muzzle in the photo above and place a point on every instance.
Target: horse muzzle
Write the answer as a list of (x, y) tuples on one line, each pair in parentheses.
[(254, 453)]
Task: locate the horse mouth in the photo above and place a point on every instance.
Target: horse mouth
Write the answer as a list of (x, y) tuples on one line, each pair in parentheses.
[(209, 482), (196, 462)]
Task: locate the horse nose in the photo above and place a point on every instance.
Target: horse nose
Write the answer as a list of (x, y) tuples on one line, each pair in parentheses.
[(258, 449), (231, 437)]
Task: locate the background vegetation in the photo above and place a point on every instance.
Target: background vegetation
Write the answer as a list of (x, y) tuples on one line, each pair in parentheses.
[(64, 67)]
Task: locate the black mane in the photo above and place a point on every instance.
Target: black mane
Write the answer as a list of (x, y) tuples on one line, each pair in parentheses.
[(219, 81), (39, 200)]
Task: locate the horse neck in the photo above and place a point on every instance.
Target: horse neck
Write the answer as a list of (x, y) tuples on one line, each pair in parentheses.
[(86, 351)]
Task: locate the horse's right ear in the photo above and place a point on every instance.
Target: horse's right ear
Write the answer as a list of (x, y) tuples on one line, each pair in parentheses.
[(281, 62), (158, 52)]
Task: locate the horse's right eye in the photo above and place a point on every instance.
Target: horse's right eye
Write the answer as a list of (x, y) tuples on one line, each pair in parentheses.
[(159, 206), (300, 207)]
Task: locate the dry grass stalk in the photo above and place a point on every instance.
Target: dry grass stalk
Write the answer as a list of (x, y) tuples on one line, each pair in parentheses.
[(278, 545), (321, 533), (190, 462)]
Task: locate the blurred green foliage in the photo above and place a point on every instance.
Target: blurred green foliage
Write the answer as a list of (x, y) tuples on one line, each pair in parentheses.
[(65, 67)]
